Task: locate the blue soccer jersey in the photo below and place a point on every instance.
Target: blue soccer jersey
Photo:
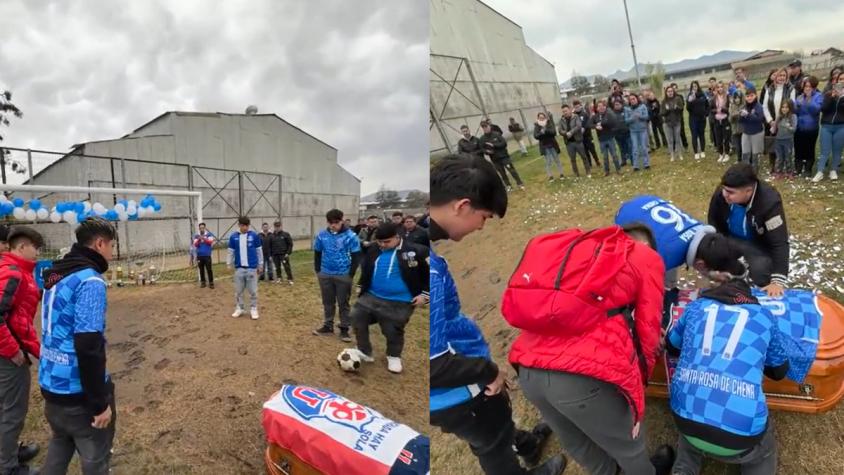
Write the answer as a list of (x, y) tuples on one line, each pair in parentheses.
[(724, 349)]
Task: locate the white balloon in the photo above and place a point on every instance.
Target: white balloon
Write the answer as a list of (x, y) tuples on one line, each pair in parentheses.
[(119, 208), (131, 209), (69, 217), (55, 216), (42, 213), (132, 204), (87, 206), (99, 208), (123, 216), (31, 215), (19, 214)]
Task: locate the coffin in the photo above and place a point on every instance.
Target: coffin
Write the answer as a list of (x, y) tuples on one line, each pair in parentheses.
[(822, 388)]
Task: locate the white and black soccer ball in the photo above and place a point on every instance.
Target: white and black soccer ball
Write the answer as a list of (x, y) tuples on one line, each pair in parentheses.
[(349, 360)]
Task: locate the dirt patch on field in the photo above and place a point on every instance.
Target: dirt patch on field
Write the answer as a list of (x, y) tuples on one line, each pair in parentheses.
[(191, 379)]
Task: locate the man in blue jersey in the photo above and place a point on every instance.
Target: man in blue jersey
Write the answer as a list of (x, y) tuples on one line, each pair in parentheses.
[(336, 257), (246, 255), (78, 391), (468, 391), (203, 244), (726, 342)]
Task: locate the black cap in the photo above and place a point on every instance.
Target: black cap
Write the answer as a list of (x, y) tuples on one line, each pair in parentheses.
[(795, 63), (386, 230)]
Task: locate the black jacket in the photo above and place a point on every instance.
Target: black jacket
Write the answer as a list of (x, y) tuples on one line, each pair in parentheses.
[(496, 128), (671, 110), (546, 136), (767, 219), (608, 121), (494, 145), (699, 106), (515, 127), (470, 146), (413, 265), (265, 243), (832, 109), (280, 243), (654, 111), (418, 236)]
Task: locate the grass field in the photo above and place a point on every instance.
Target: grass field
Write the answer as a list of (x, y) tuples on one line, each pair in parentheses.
[(191, 380), (482, 263)]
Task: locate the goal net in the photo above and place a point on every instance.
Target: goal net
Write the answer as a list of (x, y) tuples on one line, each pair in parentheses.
[(155, 228)]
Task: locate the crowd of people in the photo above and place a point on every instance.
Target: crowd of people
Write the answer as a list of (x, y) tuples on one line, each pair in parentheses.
[(783, 119), (582, 358)]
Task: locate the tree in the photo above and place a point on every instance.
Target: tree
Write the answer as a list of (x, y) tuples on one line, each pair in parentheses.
[(601, 83), (387, 198), (656, 76), (416, 199), (579, 83), (7, 110)]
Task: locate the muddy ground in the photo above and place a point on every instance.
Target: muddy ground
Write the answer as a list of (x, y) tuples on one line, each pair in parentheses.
[(191, 379)]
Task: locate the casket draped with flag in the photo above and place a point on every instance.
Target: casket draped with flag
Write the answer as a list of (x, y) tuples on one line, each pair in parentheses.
[(813, 326), (312, 430)]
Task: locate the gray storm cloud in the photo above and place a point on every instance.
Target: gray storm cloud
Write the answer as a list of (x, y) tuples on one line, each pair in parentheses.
[(354, 74)]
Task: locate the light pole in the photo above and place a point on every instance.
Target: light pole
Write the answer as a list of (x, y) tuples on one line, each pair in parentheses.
[(633, 48)]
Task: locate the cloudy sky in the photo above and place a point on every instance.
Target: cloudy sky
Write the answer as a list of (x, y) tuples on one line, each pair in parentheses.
[(591, 36), (354, 74)]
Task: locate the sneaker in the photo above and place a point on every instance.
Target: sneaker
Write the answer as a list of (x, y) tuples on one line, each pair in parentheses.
[(818, 177), (647, 167), (254, 313), (702, 154), (539, 435), (680, 158), (202, 285), (522, 187), (27, 452), (606, 173), (833, 175), (23, 470), (550, 179), (394, 364), (635, 169), (553, 466), (663, 459), (324, 330), (211, 285), (561, 176), (697, 156), (672, 158), (237, 312), (289, 282), (509, 188), (364, 357), (344, 335)]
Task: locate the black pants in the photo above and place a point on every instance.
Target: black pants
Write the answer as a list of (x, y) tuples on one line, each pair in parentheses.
[(760, 263), (683, 132), (804, 151), (14, 404), (721, 132), (736, 143), (280, 260), (391, 316), (656, 133), (589, 144), (503, 165), (697, 124), (486, 424), (712, 129), (204, 264), (72, 433)]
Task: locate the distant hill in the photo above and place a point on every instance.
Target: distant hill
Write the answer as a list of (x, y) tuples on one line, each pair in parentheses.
[(726, 56), (371, 197)]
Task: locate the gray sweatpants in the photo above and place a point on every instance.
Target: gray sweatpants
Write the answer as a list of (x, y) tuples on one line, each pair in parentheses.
[(591, 418), (391, 316), (14, 403), (246, 279), (760, 460), (336, 291)]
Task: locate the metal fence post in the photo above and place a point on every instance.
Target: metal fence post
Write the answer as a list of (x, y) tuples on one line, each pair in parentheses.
[(525, 125), (440, 130), (475, 85), (126, 223)]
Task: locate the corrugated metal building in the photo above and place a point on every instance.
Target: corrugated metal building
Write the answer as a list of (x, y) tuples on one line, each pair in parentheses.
[(481, 66), (256, 165)]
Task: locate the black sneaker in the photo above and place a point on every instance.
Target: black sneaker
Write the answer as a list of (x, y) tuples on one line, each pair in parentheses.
[(344, 335), (27, 452), (529, 445), (663, 459), (211, 285), (553, 466), (202, 285), (324, 331)]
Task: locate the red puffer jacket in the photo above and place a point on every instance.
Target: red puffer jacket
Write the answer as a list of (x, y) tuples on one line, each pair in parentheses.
[(19, 297), (606, 351)]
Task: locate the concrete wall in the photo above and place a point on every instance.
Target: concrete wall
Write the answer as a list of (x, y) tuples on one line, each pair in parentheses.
[(511, 80), (271, 155)]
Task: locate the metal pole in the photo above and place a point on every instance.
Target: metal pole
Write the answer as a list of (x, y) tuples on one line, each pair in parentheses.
[(525, 125), (29, 163), (633, 48), (93, 189), (440, 130), (475, 84), (126, 224)]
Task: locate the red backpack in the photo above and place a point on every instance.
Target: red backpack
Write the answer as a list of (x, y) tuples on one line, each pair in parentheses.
[(559, 286)]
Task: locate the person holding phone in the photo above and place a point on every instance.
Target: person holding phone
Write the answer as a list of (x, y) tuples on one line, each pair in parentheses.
[(832, 130)]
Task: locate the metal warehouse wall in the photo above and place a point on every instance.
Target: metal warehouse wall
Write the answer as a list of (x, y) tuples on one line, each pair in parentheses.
[(480, 65)]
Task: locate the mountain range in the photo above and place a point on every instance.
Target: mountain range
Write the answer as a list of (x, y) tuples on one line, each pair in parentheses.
[(725, 56)]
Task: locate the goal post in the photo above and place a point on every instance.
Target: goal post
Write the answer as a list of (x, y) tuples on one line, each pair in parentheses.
[(152, 248)]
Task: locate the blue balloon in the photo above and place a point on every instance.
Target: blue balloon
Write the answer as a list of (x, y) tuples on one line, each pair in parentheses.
[(18, 202), (111, 215), (156, 206), (61, 207), (35, 204), (6, 208), (79, 207)]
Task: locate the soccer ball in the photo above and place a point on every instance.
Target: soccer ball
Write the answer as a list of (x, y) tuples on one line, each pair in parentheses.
[(348, 360)]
